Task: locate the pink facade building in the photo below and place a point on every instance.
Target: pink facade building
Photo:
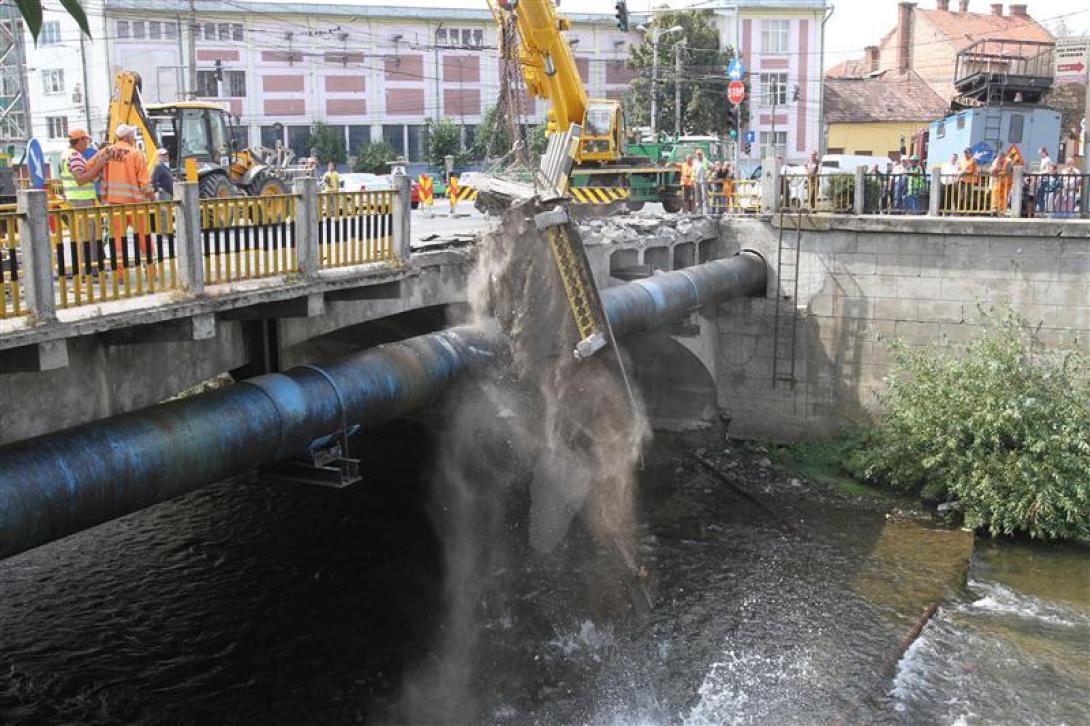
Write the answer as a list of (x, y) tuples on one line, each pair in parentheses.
[(370, 72)]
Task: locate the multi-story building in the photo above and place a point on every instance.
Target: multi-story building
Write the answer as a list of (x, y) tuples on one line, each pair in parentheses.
[(782, 43), (371, 73)]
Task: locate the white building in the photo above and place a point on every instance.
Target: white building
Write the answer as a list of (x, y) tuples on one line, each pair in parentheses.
[(370, 72), (782, 43)]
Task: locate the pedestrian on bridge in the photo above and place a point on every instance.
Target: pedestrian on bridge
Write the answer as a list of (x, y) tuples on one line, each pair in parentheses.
[(687, 184), (78, 177), (331, 180), (126, 181), (701, 178), (162, 178)]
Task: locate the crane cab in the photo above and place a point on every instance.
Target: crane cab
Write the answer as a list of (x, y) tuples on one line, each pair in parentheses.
[(603, 132)]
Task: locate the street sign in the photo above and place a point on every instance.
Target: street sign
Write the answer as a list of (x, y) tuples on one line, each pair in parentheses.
[(735, 70), (1072, 59), (736, 91), (751, 136), (35, 164)]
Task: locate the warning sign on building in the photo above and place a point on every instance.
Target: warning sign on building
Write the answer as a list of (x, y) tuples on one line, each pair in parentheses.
[(1072, 59)]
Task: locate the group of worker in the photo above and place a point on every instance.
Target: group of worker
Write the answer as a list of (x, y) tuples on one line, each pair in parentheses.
[(706, 187), (114, 174)]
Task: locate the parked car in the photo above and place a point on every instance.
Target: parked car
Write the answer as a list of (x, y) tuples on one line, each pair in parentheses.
[(363, 182)]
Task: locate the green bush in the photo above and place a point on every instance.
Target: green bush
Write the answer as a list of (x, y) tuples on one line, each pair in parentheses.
[(372, 158), (1002, 427), (326, 144)]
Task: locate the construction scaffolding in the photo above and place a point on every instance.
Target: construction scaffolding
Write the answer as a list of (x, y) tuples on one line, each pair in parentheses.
[(14, 101)]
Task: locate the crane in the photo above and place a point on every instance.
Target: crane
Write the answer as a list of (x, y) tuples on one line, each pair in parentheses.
[(550, 72)]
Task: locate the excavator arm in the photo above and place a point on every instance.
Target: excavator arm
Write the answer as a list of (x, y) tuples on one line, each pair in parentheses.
[(126, 107)]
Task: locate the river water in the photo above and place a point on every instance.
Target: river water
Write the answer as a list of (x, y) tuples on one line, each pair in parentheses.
[(249, 602)]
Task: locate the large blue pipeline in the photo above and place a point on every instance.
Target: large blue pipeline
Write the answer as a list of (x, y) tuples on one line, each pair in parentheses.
[(54, 485)]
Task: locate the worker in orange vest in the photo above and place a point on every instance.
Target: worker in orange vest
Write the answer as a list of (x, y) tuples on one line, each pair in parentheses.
[(687, 183), (126, 181)]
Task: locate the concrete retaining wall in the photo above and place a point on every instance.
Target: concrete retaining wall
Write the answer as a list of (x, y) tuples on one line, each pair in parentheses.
[(863, 281)]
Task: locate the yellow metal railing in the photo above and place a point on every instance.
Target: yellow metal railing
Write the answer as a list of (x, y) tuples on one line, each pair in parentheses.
[(11, 304), (246, 238), (355, 228), (737, 196), (111, 252), (968, 196), (819, 193)]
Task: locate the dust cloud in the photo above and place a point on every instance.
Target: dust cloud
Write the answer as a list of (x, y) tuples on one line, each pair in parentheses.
[(566, 430)]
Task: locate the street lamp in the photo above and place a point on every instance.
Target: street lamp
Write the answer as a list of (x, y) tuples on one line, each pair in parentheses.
[(656, 33)]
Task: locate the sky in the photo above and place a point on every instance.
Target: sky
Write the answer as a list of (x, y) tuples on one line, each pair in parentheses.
[(853, 25)]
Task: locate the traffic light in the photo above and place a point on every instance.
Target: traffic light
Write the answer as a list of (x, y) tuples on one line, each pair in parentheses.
[(795, 94), (219, 71), (746, 148), (733, 134), (622, 15)]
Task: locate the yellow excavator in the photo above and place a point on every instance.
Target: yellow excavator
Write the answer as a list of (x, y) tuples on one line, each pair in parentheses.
[(192, 130)]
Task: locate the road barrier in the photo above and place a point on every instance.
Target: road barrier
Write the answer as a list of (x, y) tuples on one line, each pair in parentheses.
[(1060, 196), (962, 196), (459, 193), (833, 193), (355, 228), (426, 190), (893, 194), (11, 303), (246, 238), (599, 195)]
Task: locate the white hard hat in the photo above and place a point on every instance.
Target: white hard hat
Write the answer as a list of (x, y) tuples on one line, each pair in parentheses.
[(124, 130)]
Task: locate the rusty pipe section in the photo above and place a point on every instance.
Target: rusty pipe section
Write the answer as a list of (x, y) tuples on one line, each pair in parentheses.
[(54, 485)]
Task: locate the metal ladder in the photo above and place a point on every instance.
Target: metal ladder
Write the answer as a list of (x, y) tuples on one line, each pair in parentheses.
[(785, 324), (993, 128)]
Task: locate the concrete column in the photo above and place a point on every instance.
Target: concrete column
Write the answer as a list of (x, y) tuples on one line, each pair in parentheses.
[(934, 202), (36, 265), (187, 236), (770, 185), (1017, 179), (402, 217), (306, 225), (860, 198)]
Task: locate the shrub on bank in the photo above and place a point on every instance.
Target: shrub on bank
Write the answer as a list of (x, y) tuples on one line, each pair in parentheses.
[(1002, 427)]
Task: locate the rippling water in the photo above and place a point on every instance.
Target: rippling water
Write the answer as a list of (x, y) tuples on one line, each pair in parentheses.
[(248, 602)]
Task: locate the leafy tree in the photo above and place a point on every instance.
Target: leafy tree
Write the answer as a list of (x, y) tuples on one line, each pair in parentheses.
[(1002, 427), (704, 105), (444, 138), (373, 158), (31, 10), (492, 139), (326, 144), (537, 141)]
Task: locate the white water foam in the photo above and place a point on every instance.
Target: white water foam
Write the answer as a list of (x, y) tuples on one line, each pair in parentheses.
[(747, 687)]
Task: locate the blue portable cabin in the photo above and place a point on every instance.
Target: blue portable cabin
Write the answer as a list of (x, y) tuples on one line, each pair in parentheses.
[(1000, 126)]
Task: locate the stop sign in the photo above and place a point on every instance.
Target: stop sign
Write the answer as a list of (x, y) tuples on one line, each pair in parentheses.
[(736, 91)]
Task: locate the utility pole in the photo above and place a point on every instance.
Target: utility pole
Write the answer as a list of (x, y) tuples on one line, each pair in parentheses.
[(192, 47), (654, 83), (679, 48), (86, 85), (435, 42)]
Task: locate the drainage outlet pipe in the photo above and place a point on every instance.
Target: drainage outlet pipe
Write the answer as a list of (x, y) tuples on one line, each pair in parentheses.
[(60, 483)]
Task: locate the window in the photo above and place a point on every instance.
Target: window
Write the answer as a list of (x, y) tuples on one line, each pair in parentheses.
[(52, 81), (864, 152), (418, 140), (138, 29), (940, 130), (774, 36), (773, 89), (194, 134), (57, 126), (773, 146), (240, 136), (358, 137), (170, 30), (207, 85), (459, 37), (1014, 134), (236, 31), (270, 135), (155, 30), (395, 137), (209, 31), (299, 140), (122, 29), (225, 31), (961, 121), (51, 33), (234, 84)]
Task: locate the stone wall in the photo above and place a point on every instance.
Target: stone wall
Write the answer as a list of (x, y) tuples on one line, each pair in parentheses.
[(864, 281)]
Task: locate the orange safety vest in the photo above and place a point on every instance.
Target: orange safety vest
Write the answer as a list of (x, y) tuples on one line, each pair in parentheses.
[(969, 171), (686, 174), (126, 176)]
